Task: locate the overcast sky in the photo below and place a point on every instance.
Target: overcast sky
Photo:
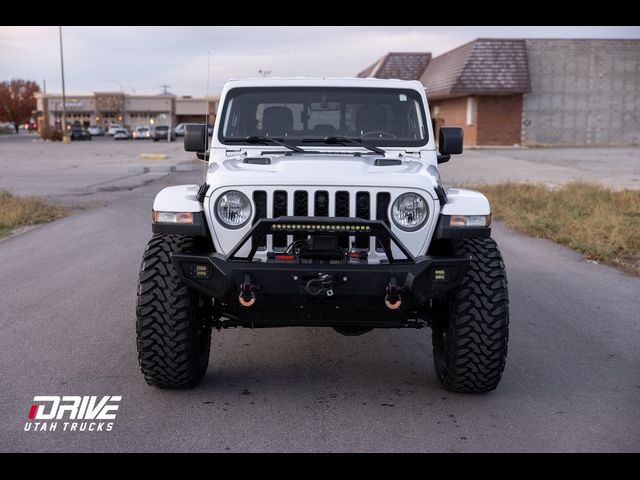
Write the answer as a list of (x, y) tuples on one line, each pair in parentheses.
[(140, 59)]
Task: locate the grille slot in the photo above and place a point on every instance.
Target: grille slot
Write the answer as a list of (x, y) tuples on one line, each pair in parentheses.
[(382, 207), (279, 210), (363, 210), (342, 210), (260, 201), (321, 204), (300, 209)]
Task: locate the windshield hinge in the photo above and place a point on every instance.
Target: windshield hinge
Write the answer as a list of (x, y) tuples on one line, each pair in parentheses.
[(442, 195), (202, 192)]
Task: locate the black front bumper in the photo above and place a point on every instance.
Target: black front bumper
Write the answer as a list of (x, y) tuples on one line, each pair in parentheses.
[(217, 276), (280, 288)]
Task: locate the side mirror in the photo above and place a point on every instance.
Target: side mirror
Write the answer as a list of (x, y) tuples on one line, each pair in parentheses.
[(195, 138), (450, 143)]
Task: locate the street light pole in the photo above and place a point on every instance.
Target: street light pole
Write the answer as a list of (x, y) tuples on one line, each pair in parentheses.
[(65, 138)]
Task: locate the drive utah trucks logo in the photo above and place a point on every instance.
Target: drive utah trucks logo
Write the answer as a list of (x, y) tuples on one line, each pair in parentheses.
[(72, 413)]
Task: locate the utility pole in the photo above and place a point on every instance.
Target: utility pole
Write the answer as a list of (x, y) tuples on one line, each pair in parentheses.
[(65, 137), (165, 88)]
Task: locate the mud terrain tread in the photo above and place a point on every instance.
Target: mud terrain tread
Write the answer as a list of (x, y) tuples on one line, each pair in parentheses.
[(170, 352), (478, 328)]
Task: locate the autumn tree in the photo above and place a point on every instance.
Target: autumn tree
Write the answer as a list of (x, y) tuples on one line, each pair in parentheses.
[(17, 101)]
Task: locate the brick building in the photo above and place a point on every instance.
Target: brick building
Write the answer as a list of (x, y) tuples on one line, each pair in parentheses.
[(531, 92)]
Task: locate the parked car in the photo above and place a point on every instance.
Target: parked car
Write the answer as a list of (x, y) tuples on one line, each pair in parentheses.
[(79, 133), (7, 127), (141, 133), (162, 132), (113, 127), (96, 131), (179, 130), (121, 134)]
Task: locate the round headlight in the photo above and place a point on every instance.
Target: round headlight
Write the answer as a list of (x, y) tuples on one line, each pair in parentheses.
[(409, 211), (233, 209)]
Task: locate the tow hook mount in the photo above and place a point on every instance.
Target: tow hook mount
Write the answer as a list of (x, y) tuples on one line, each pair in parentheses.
[(392, 299)]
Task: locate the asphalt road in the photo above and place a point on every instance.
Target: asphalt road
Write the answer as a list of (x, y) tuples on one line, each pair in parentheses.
[(67, 297)]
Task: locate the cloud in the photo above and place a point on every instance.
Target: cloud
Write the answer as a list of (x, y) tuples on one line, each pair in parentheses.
[(142, 58)]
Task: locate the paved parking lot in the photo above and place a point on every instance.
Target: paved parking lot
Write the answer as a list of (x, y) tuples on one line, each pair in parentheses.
[(618, 168), (81, 172)]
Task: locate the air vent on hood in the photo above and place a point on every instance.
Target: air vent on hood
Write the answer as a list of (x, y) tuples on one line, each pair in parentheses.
[(257, 160), (387, 162)]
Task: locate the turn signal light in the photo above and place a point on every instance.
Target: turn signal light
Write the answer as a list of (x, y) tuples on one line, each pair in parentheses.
[(172, 217), (470, 220)]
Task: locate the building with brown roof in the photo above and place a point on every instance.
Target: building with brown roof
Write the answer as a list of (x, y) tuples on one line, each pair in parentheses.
[(478, 86), (564, 92), (399, 65)]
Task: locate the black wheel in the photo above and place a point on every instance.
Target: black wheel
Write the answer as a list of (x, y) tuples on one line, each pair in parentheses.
[(471, 332), (173, 330)]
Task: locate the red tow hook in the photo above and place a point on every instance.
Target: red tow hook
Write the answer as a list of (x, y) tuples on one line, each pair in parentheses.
[(247, 295), (392, 298)]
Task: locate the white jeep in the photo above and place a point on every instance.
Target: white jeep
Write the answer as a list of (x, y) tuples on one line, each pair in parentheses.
[(323, 207)]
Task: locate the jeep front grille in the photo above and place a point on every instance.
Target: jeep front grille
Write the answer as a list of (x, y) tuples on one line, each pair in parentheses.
[(320, 203)]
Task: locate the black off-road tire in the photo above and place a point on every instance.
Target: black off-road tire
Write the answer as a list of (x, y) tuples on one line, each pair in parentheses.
[(173, 334), (471, 332)]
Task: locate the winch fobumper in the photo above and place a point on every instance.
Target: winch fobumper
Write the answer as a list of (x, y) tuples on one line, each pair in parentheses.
[(216, 276), (409, 281)]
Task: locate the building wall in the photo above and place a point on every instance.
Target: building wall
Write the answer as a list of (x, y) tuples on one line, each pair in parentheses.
[(192, 110), (80, 109), (106, 108), (191, 106), (452, 112), (149, 104), (499, 119), (584, 93)]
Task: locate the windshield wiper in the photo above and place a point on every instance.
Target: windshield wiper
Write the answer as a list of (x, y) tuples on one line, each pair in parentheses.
[(274, 141), (351, 141)]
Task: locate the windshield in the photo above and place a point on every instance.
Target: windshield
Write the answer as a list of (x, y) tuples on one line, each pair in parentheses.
[(377, 116)]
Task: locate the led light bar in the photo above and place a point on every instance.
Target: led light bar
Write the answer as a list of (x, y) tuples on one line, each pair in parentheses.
[(320, 228)]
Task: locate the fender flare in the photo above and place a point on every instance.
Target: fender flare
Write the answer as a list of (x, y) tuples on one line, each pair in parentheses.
[(462, 202), (181, 198)]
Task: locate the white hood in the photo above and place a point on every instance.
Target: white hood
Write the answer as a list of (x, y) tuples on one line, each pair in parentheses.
[(322, 170)]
